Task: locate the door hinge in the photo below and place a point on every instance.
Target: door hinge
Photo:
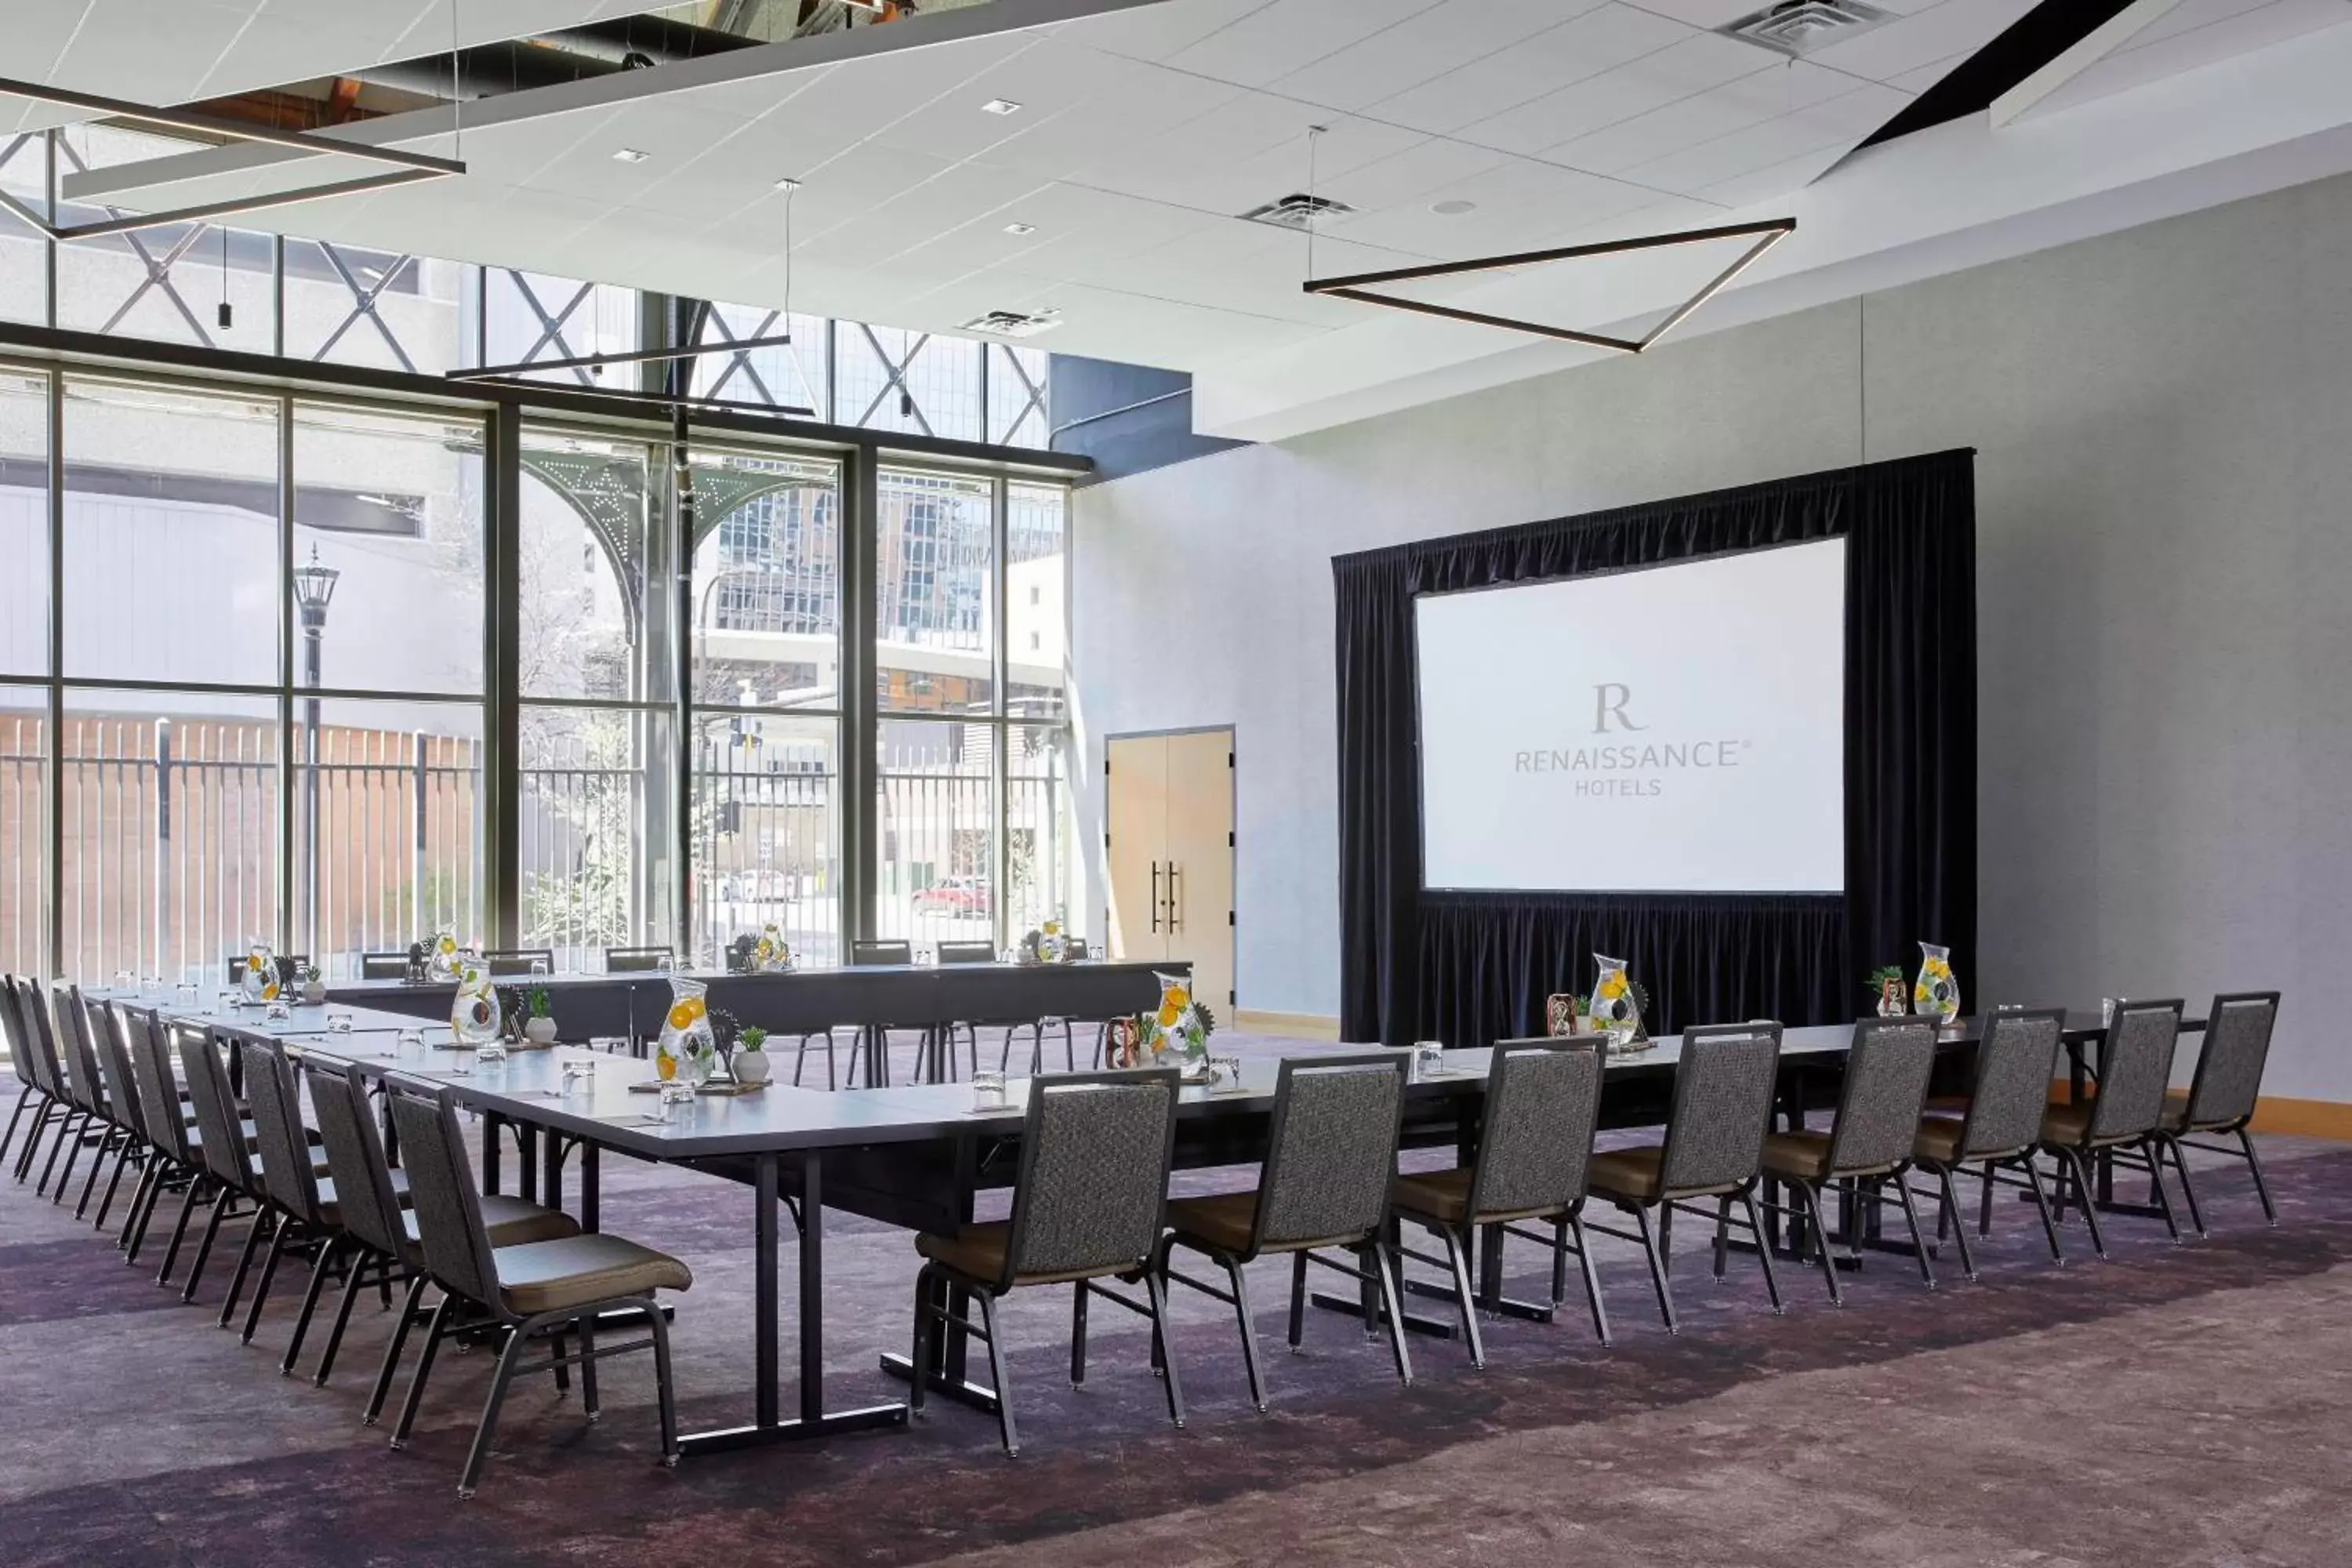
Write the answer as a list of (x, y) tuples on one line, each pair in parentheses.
[(1229, 917), (1106, 765), (1231, 999), (1229, 759), (1230, 841)]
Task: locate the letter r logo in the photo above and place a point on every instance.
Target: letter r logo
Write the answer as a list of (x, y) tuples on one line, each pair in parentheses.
[(1609, 700)]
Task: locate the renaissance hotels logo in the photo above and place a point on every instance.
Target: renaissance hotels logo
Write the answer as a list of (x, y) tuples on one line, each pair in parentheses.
[(1630, 768)]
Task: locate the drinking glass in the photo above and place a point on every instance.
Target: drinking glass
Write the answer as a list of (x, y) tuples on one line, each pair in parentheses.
[(339, 1023), (408, 1040), (1428, 1059), (187, 997), (493, 1050), (579, 1075), (538, 966), (988, 1090), (274, 1011), (124, 980)]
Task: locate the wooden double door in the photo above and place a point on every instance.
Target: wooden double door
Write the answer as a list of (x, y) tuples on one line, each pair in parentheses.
[(1169, 817)]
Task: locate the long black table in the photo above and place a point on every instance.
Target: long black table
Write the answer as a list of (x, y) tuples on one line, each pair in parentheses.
[(917, 1155), (869, 998)]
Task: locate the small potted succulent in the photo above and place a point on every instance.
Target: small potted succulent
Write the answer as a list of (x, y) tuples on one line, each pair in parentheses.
[(314, 985), (750, 1059), (539, 1027)]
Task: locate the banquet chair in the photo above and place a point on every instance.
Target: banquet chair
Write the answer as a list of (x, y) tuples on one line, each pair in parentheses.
[(384, 966), (172, 1162), (1713, 1148), (941, 1042), (100, 1124), (1870, 1143), (1998, 1127), (1535, 1146), (233, 1185), (111, 1024), (506, 963), (1087, 1206), (298, 1211), (870, 1039), (37, 1069), (637, 960), (1330, 1159), (551, 1291), (379, 1231), (2221, 1096), (2123, 1121), (38, 1005)]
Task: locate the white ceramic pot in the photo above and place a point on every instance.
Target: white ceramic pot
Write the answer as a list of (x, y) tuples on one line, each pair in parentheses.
[(751, 1067), (314, 991), (540, 1031)]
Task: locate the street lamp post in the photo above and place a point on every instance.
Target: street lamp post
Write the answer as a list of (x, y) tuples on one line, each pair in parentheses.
[(314, 589)]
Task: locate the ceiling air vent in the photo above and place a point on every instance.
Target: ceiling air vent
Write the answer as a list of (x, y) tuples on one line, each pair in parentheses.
[(1297, 210), (1800, 26), (1014, 324)]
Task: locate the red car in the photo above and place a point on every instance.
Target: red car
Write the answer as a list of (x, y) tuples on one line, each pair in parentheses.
[(956, 896)]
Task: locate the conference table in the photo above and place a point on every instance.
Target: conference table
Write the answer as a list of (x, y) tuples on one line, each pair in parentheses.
[(917, 1155), (869, 998)]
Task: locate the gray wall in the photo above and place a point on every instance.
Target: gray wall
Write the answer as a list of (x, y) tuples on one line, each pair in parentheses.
[(2164, 418)]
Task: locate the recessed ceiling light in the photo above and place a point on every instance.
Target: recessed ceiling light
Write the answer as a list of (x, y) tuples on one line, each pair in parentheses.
[(1001, 106), (1455, 208), (630, 156), (1019, 228)]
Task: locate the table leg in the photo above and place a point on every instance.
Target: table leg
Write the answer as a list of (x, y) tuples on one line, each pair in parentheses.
[(550, 1176), (527, 1158), (492, 1124), (814, 1421), (589, 1195)]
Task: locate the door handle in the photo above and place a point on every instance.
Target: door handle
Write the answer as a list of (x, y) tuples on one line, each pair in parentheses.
[(1174, 925), (1155, 895)]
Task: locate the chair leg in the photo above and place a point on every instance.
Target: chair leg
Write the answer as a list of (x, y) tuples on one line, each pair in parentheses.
[(665, 1392), (330, 1250), (433, 1333), (1249, 1335), (204, 1247), (2262, 1186), (1723, 1235), (2073, 1159), (24, 1164), (1461, 1266), (149, 1167), (1078, 1335), (280, 1235), (67, 1143), (1156, 1289), (1821, 1248), (487, 1428), (1657, 1268), (1297, 1299), (1763, 1249), (2157, 1186), (2187, 1188), (1948, 1206), (188, 1201), (1918, 1237), (98, 1163), (1560, 1260), (24, 1098), (588, 1403), (344, 1305), (390, 1363), (1984, 1212), (114, 1182), (996, 1371), (1393, 1305), (142, 1212), (264, 1222), (1591, 1279), (2041, 1202)]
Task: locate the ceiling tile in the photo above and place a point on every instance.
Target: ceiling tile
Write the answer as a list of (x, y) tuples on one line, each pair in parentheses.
[(1284, 36), (1695, 116), (1908, 42), (1692, 64), (1577, 50), (1156, 32), (1423, 47)]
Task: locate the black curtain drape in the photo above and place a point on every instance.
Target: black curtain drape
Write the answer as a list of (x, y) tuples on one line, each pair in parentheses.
[(1467, 968)]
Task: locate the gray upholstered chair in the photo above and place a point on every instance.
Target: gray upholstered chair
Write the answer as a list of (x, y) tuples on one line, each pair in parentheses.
[(507, 962), (1535, 1147), (1713, 1148), (1870, 1145), (298, 1210), (34, 1091), (2125, 1119), (1330, 1159), (112, 1028), (172, 1162), (637, 960), (64, 1115), (233, 1185), (2222, 1097), (1998, 1127), (384, 966), (101, 1127), (1087, 1206), (542, 1291), (866, 951)]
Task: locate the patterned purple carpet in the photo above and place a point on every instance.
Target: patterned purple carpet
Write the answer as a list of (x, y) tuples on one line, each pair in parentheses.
[(2182, 1405)]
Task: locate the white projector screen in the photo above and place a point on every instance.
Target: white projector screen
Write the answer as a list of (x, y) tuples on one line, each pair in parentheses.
[(1675, 729)]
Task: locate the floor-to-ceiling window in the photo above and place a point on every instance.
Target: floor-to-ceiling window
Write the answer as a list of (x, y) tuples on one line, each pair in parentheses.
[(973, 782)]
